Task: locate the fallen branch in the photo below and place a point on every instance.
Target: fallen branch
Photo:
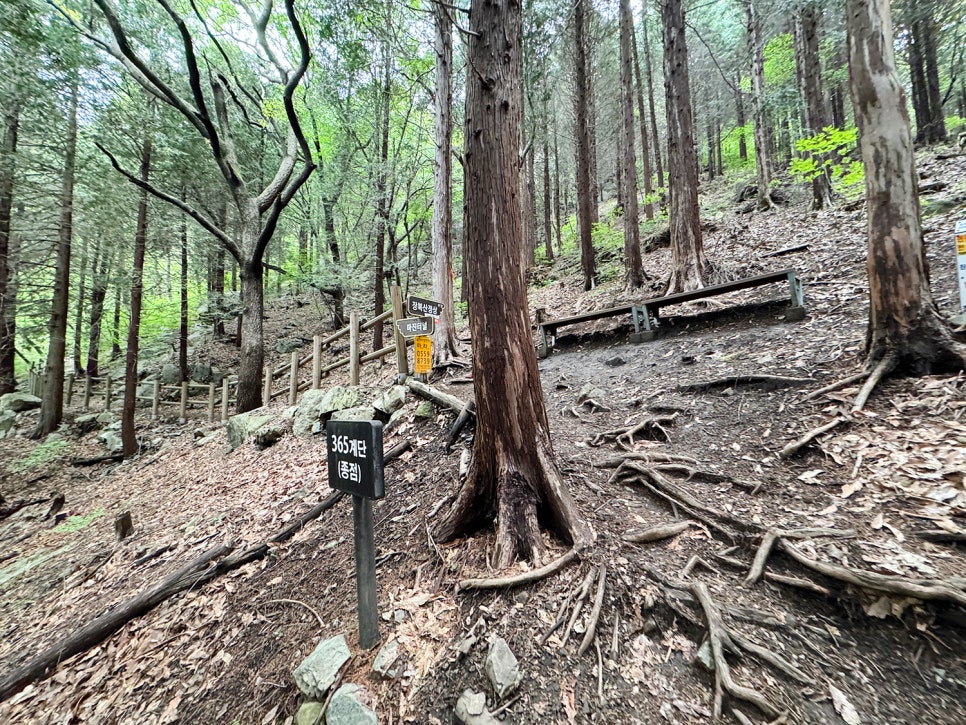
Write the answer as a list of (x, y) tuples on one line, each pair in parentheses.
[(445, 400), (15, 506), (655, 533), (941, 536), (795, 446), (734, 380), (525, 578), (594, 613), (301, 604), (787, 250), (561, 617), (110, 458), (579, 604), (461, 420)]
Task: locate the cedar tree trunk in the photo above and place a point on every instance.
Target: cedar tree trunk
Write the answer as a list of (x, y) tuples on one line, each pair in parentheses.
[(583, 131), (8, 317), (810, 74), (632, 226), (756, 48)]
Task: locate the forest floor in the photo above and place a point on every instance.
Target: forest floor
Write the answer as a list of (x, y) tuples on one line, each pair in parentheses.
[(224, 652)]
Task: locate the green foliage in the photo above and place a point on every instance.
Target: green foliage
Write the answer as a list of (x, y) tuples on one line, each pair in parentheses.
[(604, 236), (730, 147), (955, 124), (780, 60), (42, 455), (76, 523), (832, 151)]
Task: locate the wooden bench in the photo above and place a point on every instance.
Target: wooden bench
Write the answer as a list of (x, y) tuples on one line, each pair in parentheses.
[(642, 314)]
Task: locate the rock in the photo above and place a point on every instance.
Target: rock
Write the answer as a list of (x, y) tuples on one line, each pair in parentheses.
[(7, 418), (318, 671), (424, 410), (86, 423), (289, 413), (615, 362), (200, 373), (170, 374), (112, 440), (19, 402), (270, 434), (391, 400), (244, 425), (471, 709), (289, 345), (363, 412), (384, 664), (502, 668), (309, 713), (958, 320), (145, 390), (217, 377), (106, 418), (350, 706), (319, 405), (591, 392)]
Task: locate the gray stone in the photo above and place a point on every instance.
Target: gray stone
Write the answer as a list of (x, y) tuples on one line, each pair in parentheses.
[(318, 671), (391, 400), (384, 665), (615, 362), (86, 423), (425, 410), (170, 374), (242, 426), (112, 440), (289, 345), (19, 402), (289, 413), (217, 377), (7, 418), (270, 434), (200, 373), (145, 390), (318, 405), (471, 709), (106, 418), (363, 412), (309, 713), (349, 706), (591, 392), (502, 668), (958, 320)]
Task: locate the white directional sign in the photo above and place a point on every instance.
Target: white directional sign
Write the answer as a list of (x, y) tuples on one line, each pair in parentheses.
[(414, 326)]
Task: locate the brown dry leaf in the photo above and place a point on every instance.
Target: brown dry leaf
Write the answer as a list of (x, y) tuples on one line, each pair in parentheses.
[(567, 699), (170, 713), (843, 707), (850, 488)]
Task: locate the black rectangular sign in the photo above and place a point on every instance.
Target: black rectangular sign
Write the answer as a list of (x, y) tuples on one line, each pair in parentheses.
[(413, 326), (355, 457), (422, 306)]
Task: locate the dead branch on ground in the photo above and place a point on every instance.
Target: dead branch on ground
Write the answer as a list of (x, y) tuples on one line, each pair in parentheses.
[(795, 446), (516, 580), (732, 381), (655, 533), (594, 613)]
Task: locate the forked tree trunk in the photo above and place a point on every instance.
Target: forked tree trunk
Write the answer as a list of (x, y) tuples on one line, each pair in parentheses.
[(513, 476), (52, 408), (632, 226), (8, 328), (905, 327), (763, 150), (687, 249), (810, 75), (444, 338), (582, 130), (128, 433)]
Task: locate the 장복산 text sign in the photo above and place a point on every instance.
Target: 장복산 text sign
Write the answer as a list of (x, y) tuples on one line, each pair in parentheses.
[(355, 457), (422, 306), (413, 326)]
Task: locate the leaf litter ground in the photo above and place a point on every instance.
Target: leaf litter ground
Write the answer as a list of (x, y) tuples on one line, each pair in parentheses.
[(224, 652)]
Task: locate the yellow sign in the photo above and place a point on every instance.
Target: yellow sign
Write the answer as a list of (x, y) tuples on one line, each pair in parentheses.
[(961, 244), (423, 346)]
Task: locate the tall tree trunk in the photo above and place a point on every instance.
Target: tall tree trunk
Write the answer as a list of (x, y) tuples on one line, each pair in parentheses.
[(52, 408), (116, 325), (756, 48), (687, 249), (382, 200), (810, 75), (741, 120), (645, 151), (547, 225), (585, 188), (513, 476), (98, 294), (905, 328), (556, 187), (8, 316), (937, 120), (128, 433), (183, 326), (444, 338), (632, 225), (252, 351), (658, 163), (79, 313)]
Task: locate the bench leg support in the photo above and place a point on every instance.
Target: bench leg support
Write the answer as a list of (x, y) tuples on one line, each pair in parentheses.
[(796, 311)]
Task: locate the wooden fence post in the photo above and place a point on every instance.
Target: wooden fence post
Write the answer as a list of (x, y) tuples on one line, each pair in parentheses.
[(183, 418), (354, 348), (155, 400), (107, 393), (293, 381), (211, 402), (267, 394), (402, 361), (316, 362), (224, 400), (70, 388)]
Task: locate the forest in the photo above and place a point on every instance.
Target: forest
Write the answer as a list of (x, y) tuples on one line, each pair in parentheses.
[(207, 206)]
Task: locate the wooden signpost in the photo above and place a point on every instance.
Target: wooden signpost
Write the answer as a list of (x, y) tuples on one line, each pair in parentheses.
[(355, 466)]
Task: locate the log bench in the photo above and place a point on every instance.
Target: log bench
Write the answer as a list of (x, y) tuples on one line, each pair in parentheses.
[(646, 316)]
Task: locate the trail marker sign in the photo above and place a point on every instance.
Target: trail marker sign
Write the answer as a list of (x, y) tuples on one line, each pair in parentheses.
[(423, 354), (423, 307), (961, 261), (415, 326)]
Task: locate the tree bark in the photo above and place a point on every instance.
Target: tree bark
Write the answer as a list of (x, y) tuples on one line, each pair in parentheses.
[(583, 131), (642, 118), (905, 327), (687, 250), (444, 338), (937, 120), (810, 75), (741, 120), (252, 349), (658, 163), (183, 326), (547, 225), (382, 198), (98, 294), (128, 432), (8, 317), (556, 188), (52, 408), (79, 313), (763, 151), (632, 226), (917, 77), (513, 476)]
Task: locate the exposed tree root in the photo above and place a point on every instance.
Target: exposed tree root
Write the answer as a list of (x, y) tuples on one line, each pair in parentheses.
[(856, 377), (655, 533), (735, 380), (885, 366), (594, 613), (772, 535), (616, 461), (652, 427), (8, 509), (528, 577), (795, 446), (582, 594)]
